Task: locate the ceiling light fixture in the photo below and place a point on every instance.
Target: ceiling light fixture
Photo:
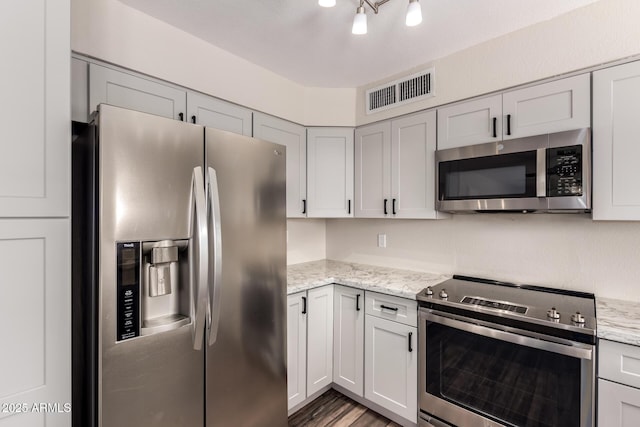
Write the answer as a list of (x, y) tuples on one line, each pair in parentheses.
[(413, 18)]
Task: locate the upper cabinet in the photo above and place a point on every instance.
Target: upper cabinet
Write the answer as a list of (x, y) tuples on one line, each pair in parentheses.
[(125, 90), (212, 112), (546, 108), (394, 168), (330, 172), (294, 137), (35, 112), (616, 102)]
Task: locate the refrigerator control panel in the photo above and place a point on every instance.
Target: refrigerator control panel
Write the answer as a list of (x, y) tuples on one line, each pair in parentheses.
[(128, 290)]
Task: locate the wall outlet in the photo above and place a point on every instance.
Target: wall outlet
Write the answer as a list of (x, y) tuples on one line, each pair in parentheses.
[(382, 240)]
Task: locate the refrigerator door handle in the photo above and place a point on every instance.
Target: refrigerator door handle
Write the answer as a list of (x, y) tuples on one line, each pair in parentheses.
[(198, 259), (215, 247)]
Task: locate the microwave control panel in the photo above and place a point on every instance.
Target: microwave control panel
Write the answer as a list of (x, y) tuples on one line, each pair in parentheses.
[(564, 171), (128, 290)]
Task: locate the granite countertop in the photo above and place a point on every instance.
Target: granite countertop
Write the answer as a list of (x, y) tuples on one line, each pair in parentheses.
[(402, 283), (618, 320)]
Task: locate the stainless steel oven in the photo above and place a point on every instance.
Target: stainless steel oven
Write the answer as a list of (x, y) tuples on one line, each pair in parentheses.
[(498, 355)]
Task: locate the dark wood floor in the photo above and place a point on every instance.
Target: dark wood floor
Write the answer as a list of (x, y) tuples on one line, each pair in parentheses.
[(337, 410)]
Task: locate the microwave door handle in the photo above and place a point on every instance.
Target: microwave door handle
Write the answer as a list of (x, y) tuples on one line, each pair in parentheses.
[(215, 232), (541, 172)]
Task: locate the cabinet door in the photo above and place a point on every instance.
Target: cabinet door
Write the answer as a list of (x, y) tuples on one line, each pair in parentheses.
[(35, 112), (616, 102), (348, 338), (135, 93), (413, 145), (35, 319), (296, 348), (618, 405), (294, 137), (330, 172), (391, 366), (472, 122), (551, 107), (319, 339), (373, 170), (208, 111)]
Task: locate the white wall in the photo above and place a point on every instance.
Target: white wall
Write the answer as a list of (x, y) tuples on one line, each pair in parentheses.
[(306, 240), (563, 251), (604, 31), (116, 33)]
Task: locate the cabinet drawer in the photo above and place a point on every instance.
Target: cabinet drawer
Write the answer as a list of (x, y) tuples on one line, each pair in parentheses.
[(398, 309), (619, 362)]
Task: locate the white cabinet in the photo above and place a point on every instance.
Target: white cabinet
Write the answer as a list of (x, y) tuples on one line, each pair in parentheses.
[(618, 384), (616, 102), (319, 338), (294, 137), (330, 172), (79, 90), (348, 338), (546, 108), (126, 90), (35, 112), (296, 348), (394, 168), (391, 366), (212, 112)]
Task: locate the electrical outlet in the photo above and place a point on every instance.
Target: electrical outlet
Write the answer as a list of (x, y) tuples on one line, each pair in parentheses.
[(382, 240)]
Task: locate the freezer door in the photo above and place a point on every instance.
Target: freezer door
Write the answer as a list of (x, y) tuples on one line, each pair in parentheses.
[(150, 180), (246, 350)]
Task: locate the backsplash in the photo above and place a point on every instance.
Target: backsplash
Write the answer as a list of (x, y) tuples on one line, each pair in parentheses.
[(562, 251), (306, 240)]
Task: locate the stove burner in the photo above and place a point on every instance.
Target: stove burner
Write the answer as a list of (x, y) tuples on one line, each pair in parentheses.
[(495, 304)]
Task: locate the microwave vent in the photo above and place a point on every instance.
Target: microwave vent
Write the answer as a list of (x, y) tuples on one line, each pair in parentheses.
[(401, 91)]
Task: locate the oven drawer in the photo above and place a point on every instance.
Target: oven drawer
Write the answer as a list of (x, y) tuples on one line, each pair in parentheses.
[(398, 309), (619, 362)]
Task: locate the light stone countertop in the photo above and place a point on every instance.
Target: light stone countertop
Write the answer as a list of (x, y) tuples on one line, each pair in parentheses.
[(618, 320), (391, 281)]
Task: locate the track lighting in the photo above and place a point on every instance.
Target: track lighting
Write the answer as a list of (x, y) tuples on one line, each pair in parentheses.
[(413, 18), (327, 3), (414, 14), (359, 22)]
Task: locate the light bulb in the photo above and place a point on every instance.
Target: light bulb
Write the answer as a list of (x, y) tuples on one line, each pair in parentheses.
[(359, 22), (327, 3), (414, 14)]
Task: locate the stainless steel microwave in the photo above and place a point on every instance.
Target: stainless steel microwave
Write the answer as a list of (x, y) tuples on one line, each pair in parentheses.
[(544, 173)]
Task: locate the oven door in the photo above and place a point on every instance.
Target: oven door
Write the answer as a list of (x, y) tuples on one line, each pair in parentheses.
[(475, 373)]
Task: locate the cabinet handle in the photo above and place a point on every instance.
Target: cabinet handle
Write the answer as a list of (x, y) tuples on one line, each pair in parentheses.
[(388, 308), (393, 206), (349, 207), (181, 115), (304, 206), (358, 302), (495, 127), (508, 124), (385, 206), (410, 339), (304, 305), (193, 119)]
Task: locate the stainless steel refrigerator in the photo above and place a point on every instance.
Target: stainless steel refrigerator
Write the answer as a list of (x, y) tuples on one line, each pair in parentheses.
[(179, 275)]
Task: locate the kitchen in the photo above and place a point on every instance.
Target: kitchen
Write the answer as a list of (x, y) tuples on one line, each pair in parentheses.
[(560, 251)]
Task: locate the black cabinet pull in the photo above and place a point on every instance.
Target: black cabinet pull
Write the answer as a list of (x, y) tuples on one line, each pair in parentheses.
[(393, 206), (304, 305), (193, 119), (495, 127), (304, 206), (508, 124), (358, 302), (181, 115), (389, 308), (410, 347), (385, 206), (349, 206)]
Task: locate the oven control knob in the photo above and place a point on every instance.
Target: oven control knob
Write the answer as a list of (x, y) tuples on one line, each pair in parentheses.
[(428, 291), (577, 318), (553, 314), (443, 294)]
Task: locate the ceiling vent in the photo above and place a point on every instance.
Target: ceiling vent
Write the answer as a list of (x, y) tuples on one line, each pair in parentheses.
[(402, 91)]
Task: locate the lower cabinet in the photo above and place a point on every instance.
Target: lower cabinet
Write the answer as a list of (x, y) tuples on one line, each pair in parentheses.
[(296, 348), (348, 338), (618, 405), (319, 339)]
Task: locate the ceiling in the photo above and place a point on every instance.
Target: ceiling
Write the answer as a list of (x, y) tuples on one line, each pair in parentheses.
[(314, 46)]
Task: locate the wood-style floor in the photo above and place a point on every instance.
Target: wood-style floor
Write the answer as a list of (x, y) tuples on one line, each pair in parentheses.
[(337, 410)]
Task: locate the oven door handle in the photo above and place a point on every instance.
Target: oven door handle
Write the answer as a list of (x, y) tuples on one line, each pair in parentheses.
[(555, 345)]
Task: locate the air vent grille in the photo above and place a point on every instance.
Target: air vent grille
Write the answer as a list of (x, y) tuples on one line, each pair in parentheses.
[(399, 92)]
